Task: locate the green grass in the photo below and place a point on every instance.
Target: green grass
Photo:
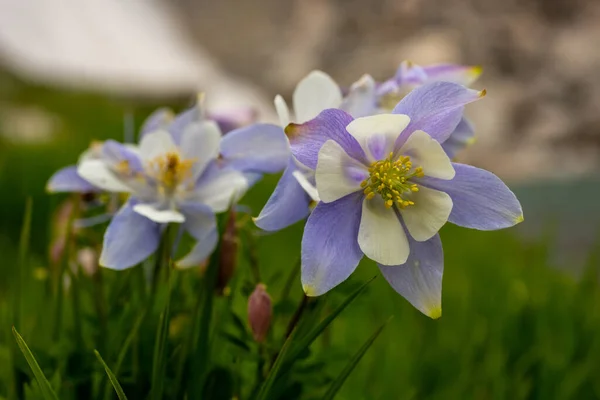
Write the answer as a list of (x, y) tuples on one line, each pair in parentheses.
[(512, 326)]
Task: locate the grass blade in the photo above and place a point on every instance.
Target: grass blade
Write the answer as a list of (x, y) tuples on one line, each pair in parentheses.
[(339, 381), (159, 359), (284, 362), (111, 377), (45, 386), (307, 340), (124, 349)]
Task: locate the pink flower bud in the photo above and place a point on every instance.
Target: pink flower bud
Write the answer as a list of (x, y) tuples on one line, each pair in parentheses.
[(260, 311)]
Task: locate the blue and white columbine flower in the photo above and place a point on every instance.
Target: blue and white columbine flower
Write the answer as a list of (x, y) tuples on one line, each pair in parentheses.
[(387, 187), (183, 172)]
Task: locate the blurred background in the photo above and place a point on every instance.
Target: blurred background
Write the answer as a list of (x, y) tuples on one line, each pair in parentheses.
[(521, 308)]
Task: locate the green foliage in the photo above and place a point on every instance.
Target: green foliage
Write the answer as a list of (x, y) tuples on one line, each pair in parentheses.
[(513, 326)]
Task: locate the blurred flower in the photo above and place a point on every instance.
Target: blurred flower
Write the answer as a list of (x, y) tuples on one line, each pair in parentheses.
[(387, 187), (295, 193), (183, 171), (367, 97), (260, 311)]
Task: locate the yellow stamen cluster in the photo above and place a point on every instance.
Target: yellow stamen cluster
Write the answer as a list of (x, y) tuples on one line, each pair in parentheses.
[(391, 179), (170, 170)]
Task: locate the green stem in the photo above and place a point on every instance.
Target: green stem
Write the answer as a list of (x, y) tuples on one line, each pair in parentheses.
[(63, 267)]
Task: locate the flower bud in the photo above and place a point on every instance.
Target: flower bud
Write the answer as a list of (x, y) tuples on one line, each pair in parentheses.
[(228, 255), (88, 260), (260, 311)]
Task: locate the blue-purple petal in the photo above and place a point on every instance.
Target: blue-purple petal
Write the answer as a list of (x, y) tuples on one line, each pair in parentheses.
[(115, 153), (307, 139), (68, 180), (419, 280), (461, 74), (462, 136), (182, 120), (129, 239), (159, 119), (330, 250), (435, 108), (258, 147), (288, 204), (481, 200), (201, 223)]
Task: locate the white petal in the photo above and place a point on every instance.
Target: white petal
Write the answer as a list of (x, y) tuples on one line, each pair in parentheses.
[(337, 173), (200, 142), (390, 126), (221, 190), (429, 213), (306, 185), (426, 152), (381, 235), (360, 100), (156, 215), (155, 144), (315, 93), (283, 112), (99, 174)]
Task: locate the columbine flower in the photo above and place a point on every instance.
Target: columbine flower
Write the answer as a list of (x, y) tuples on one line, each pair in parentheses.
[(182, 172), (296, 193), (368, 97), (387, 187)]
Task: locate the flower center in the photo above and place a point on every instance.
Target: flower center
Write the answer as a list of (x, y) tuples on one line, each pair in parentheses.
[(392, 180), (170, 170)]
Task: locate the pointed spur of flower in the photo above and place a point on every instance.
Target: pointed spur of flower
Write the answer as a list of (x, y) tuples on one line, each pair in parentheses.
[(387, 187)]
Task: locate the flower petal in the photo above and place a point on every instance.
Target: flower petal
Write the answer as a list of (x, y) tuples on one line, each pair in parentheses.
[(481, 200), (435, 108), (161, 216), (307, 185), (183, 119), (306, 139), (200, 142), (288, 204), (330, 251), (381, 235), (463, 136), (337, 173), (129, 239), (155, 144), (201, 250), (315, 93), (99, 174), (419, 280), (283, 111), (461, 74), (68, 180), (159, 119), (361, 100), (429, 213), (259, 147), (201, 223), (386, 126), (429, 154), (219, 187), (118, 155)]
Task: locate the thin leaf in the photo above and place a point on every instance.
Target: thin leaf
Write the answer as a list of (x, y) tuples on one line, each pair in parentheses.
[(111, 377), (159, 359), (339, 381), (45, 386), (274, 372), (124, 349), (284, 362), (307, 340)]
